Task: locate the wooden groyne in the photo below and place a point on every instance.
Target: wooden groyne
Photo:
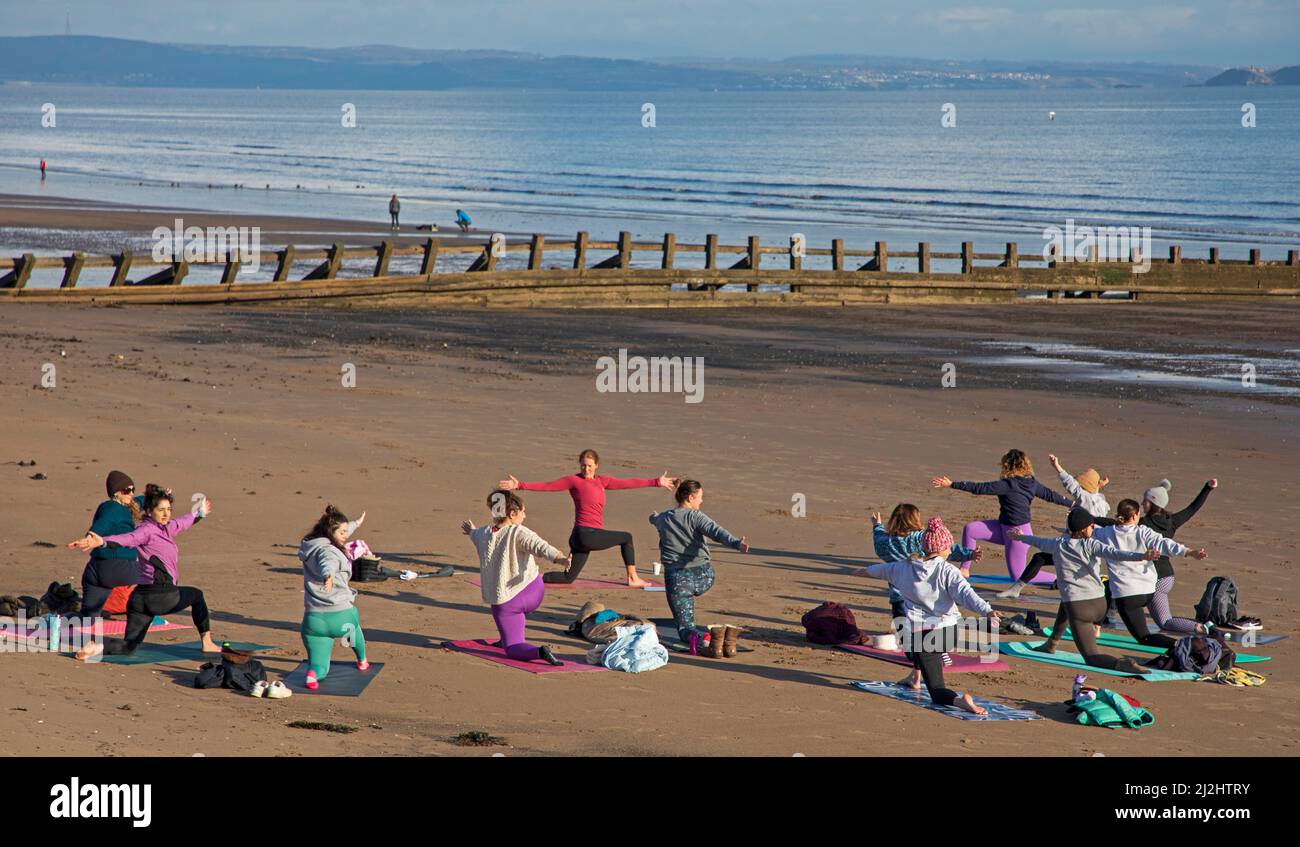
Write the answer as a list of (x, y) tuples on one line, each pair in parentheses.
[(604, 274)]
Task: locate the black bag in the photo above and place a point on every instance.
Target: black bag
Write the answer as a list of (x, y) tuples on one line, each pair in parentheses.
[(62, 599), (368, 569), (831, 623), (1200, 654), (1219, 602), (238, 677)]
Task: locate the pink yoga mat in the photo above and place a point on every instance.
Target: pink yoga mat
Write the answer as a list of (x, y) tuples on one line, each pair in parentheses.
[(480, 647), (602, 584), (111, 628), (960, 663)]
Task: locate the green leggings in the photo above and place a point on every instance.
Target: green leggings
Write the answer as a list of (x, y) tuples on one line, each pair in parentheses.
[(319, 629)]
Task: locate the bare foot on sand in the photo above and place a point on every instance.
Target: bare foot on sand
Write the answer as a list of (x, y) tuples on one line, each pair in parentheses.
[(637, 582), (1045, 647), (912, 681), (90, 651), (210, 646), (965, 702)]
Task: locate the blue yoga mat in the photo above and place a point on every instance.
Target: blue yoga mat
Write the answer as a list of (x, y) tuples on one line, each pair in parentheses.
[(997, 711), (1066, 659), (151, 653)]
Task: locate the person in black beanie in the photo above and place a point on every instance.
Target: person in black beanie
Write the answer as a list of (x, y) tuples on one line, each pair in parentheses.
[(110, 568)]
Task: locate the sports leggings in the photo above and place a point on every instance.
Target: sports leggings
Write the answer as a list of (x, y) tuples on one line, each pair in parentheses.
[(1132, 610), (319, 629), (1159, 608), (1037, 563), (587, 539), (99, 579), (157, 599), (682, 586), (1083, 616), (1016, 551), (933, 643), (511, 617)]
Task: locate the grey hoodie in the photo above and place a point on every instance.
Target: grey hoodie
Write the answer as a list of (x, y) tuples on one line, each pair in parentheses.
[(932, 590), (683, 537), (321, 560)]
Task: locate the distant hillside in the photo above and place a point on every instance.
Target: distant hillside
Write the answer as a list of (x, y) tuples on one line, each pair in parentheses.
[(1241, 76), (1287, 76)]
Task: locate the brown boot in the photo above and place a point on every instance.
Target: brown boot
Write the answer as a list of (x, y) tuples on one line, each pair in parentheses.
[(717, 637), (730, 640)]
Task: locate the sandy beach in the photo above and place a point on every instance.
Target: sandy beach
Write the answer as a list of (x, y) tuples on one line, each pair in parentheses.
[(844, 407)]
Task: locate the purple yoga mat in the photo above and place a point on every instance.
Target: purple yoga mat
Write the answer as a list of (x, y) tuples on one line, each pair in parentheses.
[(600, 584), (960, 663), (481, 648)]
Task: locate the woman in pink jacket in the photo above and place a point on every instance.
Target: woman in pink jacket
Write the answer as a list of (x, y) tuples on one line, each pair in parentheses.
[(158, 590)]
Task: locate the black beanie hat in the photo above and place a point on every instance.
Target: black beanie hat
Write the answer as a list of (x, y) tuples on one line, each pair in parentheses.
[(1079, 519), (118, 481)]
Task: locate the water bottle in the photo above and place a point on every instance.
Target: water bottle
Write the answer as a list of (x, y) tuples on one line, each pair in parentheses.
[(54, 623)]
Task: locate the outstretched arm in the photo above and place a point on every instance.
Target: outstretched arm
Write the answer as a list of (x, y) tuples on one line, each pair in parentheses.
[(1000, 486), (1044, 493), (709, 527), (1185, 515), (614, 483), (564, 483)]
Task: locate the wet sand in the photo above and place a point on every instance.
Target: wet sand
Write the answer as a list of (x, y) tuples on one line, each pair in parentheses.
[(842, 406)]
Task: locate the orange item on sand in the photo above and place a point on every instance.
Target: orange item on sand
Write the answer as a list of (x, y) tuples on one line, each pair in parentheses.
[(116, 603)]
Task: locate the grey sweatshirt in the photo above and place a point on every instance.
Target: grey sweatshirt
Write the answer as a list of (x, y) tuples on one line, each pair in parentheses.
[(1130, 579), (1078, 563), (932, 590), (321, 560), (683, 535)]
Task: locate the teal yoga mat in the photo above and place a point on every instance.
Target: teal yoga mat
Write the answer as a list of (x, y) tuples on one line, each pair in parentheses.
[(153, 653), (1066, 659), (1128, 642)]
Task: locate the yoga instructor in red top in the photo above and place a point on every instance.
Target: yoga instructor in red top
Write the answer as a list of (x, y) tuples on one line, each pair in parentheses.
[(589, 533)]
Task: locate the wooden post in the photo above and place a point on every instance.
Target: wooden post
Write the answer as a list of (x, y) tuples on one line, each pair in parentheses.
[(796, 262), (1175, 254), (1254, 255), (381, 260), (670, 251), (923, 257), (489, 257), (72, 269), (335, 260), (1214, 255), (179, 270), (967, 257), (1094, 253), (837, 254), (882, 257), (1013, 255), (755, 254), (285, 263), (1293, 257), (580, 252), (535, 252), (121, 264), (711, 252), (430, 258), (624, 249), (17, 278), (232, 267)]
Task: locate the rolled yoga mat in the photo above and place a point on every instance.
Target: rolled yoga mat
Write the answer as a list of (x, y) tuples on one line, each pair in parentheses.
[(960, 663), (997, 711), (1128, 642), (343, 680), (481, 648), (1066, 659)]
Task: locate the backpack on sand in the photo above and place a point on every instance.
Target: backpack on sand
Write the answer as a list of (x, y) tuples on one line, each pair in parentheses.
[(1219, 602), (368, 569), (1196, 654)]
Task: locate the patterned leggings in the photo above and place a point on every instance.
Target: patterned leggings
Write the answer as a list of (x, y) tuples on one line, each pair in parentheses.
[(1160, 609), (682, 586)]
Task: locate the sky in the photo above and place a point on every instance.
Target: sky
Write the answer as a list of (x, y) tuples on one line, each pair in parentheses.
[(1203, 32)]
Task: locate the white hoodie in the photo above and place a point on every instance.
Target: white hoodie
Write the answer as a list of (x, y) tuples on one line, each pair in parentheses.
[(1130, 579), (1078, 563), (932, 590)]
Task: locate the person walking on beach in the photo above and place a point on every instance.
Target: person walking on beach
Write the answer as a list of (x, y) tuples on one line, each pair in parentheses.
[(1015, 491), (932, 591), (684, 534), (511, 582), (587, 489), (1154, 503), (394, 209), (330, 609), (1083, 606), (158, 590), (42, 169), (111, 567), (463, 220)]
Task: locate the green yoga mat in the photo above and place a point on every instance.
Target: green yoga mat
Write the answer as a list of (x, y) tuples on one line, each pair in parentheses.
[(153, 653), (1127, 642), (1021, 649)]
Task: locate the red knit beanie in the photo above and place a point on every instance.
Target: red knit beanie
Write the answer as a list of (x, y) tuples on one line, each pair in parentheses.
[(936, 536)]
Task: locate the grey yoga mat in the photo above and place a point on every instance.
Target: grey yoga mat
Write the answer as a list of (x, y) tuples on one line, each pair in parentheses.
[(343, 680)]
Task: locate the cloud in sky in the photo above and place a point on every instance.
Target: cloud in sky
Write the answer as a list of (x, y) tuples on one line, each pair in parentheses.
[(1224, 32)]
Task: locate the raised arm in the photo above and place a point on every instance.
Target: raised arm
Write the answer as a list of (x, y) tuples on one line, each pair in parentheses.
[(1185, 515)]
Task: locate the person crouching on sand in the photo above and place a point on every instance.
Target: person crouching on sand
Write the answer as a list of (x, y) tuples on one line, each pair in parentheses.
[(111, 567), (158, 590), (684, 550), (511, 582), (932, 590), (330, 603)]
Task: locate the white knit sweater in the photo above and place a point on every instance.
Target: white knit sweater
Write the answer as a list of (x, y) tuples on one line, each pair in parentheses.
[(506, 563)]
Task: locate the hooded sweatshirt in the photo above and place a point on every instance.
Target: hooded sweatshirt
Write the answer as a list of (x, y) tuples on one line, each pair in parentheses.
[(320, 561), (683, 537), (505, 556), (1131, 579), (1078, 563), (932, 590), (1095, 503), (152, 539), (1015, 496)]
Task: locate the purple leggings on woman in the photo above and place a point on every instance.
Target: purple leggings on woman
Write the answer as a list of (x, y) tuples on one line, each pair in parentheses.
[(1017, 552), (510, 619)]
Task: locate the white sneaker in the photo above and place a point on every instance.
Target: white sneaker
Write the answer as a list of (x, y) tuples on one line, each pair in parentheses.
[(278, 691), (259, 688)]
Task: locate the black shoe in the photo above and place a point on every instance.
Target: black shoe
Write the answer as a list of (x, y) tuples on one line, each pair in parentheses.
[(1031, 621), (545, 654)]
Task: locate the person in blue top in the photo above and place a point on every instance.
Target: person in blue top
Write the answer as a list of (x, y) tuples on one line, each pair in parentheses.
[(1015, 491), (463, 220), (111, 568)]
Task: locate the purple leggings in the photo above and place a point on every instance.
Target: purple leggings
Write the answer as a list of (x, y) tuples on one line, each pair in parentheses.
[(1016, 551), (510, 620)]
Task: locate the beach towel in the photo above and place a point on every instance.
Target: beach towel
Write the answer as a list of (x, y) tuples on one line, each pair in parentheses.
[(481, 648), (1127, 642), (1066, 659), (960, 663), (997, 711), (635, 649)]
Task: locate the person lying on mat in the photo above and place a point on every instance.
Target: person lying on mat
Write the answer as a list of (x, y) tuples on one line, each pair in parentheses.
[(1078, 558), (330, 603), (158, 590), (510, 580), (933, 590), (111, 567)]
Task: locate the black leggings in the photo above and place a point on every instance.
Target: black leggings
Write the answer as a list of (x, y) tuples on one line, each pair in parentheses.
[(99, 579), (1037, 563), (148, 601), (1132, 610), (1082, 616), (932, 644), (587, 539)]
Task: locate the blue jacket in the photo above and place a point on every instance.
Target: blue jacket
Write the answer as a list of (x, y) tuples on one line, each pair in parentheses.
[(1015, 496), (899, 548)]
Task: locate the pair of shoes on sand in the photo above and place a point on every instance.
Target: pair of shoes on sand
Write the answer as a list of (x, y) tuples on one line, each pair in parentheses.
[(275, 691), (722, 643)]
